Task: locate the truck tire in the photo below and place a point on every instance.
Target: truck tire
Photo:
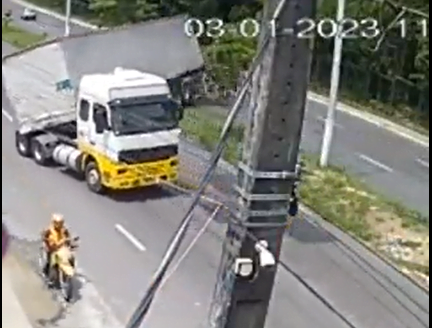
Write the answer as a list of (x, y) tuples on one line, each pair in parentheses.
[(23, 144), (93, 178), (39, 153)]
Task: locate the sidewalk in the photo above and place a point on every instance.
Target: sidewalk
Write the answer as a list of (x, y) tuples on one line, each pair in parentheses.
[(25, 301), (13, 314)]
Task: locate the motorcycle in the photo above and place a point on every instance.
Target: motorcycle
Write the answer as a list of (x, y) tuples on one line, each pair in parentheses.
[(61, 273)]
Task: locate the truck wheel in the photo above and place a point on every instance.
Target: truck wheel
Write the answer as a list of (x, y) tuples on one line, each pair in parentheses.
[(39, 153), (22, 144), (93, 178)]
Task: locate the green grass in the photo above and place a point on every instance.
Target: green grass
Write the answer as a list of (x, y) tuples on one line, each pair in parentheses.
[(19, 37), (337, 196), (424, 269)]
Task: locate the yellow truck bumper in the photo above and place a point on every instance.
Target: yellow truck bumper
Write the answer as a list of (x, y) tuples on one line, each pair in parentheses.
[(141, 175)]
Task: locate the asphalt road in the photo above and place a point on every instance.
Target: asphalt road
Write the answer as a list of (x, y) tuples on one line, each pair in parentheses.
[(123, 240), (393, 165)]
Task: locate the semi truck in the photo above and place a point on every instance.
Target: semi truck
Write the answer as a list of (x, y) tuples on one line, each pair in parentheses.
[(120, 132)]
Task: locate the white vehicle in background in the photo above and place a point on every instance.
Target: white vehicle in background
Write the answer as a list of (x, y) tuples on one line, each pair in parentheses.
[(28, 15), (117, 130)]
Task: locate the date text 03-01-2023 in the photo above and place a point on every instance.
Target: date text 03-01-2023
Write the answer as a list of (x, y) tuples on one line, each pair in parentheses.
[(305, 28)]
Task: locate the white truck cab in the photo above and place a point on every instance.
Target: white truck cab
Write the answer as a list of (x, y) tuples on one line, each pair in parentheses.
[(128, 126)]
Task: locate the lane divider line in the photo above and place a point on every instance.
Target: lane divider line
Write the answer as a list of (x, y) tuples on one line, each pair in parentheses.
[(7, 115), (376, 163), (423, 163), (130, 237)]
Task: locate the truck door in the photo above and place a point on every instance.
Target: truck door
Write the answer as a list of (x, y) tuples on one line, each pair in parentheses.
[(99, 139), (84, 115)]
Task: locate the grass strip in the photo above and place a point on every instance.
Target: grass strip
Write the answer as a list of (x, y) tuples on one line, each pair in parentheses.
[(18, 37), (334, 194)]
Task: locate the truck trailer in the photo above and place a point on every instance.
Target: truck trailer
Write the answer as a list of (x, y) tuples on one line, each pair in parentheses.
[(121, 131), (103, 103)]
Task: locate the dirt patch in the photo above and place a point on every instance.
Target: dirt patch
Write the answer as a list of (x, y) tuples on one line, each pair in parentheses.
[(393, 231)]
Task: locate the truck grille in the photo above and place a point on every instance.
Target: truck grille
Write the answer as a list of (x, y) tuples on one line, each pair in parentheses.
[(148, 155)]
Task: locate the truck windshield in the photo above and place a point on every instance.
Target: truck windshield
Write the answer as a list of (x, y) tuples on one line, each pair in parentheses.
[(143, 118)]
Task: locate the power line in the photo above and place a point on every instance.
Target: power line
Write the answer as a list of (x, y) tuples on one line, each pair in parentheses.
[(221, 207), (286, 268), (298, 277), (144, 306), (398, 6), (345, 248)]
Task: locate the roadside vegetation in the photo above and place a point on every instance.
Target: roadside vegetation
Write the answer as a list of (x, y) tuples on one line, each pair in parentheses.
[(18, 37), (387, 76), (400, 234)]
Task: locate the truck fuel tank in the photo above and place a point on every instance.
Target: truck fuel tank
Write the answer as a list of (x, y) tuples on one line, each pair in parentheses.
[(68, 156)]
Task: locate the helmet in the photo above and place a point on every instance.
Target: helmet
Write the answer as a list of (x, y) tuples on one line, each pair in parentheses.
[(57, 220)]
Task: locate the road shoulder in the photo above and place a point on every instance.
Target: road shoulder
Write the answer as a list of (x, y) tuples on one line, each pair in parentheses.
[(29, 303)]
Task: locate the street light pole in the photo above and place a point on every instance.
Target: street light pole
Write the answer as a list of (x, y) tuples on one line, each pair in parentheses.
[(68, 17), (334, 87)]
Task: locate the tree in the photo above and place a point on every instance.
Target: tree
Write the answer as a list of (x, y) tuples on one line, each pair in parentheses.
[(397, 68)]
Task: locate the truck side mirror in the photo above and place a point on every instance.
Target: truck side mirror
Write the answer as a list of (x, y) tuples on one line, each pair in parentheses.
[(101, 121), (175, 107), (180, 111)]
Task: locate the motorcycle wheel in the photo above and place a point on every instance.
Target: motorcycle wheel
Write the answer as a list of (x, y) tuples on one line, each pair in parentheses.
[(42, 262), (54, 277), (67, 288)]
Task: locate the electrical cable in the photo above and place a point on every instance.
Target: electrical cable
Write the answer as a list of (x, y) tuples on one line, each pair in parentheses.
[(316, 293), (191, 245), (305, 284), (183, 227), (356, 258), (283, 265), (144, 306), (287, 268)]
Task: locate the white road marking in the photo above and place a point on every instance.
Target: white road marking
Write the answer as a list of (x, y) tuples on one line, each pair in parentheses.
[(7, 115), (423, 163), (323, 120), (130, 237), (375, 163)]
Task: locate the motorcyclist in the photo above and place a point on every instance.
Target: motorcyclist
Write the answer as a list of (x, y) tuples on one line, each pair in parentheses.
[(54, 237)]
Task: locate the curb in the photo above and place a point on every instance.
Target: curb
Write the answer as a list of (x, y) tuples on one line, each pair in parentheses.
[(375, 120), (13, 313), (355, 247), (368, 117)]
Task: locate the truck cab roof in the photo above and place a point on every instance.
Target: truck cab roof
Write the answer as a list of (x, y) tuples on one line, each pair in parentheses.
[(122, 83), (40, 84)]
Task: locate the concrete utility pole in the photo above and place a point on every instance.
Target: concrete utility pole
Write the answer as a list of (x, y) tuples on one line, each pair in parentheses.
[(68, 17), (334, 87), (267, 173)]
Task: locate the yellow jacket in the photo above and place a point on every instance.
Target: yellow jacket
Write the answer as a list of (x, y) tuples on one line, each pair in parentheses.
[(53, 238)]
